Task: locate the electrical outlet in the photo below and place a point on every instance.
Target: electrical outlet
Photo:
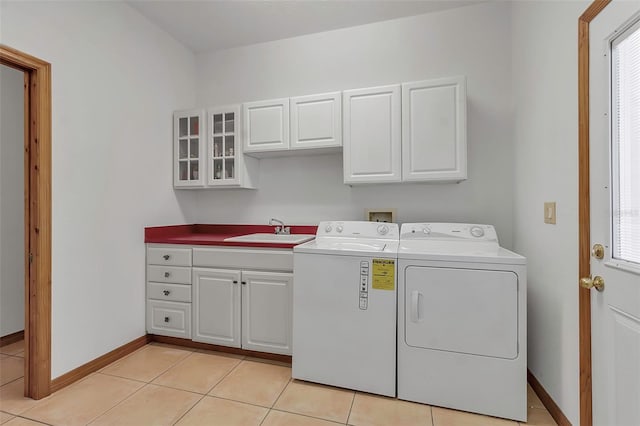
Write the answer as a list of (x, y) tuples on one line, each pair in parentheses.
[(550, 212)]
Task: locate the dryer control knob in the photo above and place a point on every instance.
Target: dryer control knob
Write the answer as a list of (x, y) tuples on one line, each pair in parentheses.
[(477, 231), (383, 229), (328, 228), (426, 230), (339, 228)]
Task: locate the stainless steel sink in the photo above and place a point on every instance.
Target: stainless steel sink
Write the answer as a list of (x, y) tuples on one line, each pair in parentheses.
[(272, 238)]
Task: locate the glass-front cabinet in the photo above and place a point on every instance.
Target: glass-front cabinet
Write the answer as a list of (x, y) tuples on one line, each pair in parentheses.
[(189, 148), (224, 157), (226, 164), (208, 150)]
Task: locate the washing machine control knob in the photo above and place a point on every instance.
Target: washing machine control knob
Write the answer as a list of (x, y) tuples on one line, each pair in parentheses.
[(477, 231), (383, 229), (426, 230), (339, 228), (328, 228)]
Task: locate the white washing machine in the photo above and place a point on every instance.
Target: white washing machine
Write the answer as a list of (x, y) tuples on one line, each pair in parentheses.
[(462, 339), (344, 307)]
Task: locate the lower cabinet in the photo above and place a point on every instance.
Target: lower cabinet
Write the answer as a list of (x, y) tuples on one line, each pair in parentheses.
[(169, 318), (247, 309)]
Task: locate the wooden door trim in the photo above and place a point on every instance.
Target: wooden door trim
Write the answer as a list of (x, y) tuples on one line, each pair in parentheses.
[(37, 218), (584, 244)]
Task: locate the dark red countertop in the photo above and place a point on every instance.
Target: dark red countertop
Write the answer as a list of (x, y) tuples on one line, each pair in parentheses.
[(215, 235)]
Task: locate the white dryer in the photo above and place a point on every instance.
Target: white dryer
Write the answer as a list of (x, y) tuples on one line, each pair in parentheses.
[(344, 307), (462, 339)]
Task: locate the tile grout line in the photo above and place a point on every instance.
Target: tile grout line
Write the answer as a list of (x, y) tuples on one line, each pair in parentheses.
[(306, 415), (351, 407), (189, 410), (225, 376), (433, 422), (281, 392), (11, 381), (171, 366), (22, 416), (120, 402)]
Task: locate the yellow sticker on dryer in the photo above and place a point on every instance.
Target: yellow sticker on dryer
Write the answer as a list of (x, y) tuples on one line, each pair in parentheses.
[(384, 274)]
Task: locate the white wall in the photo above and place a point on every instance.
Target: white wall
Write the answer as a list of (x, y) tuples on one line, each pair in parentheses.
[(11, 200), (472, 41), (545, 74), (116, 80)]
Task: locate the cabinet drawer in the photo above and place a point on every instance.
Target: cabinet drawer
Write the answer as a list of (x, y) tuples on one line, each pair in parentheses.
[(169, 256), (169, 274), (169, 318), (265, 259), (170, 292)]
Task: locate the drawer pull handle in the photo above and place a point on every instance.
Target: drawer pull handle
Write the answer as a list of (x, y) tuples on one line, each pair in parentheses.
[(166, 257), (166, 274), (166, 319), (166, 292), (235, 281)]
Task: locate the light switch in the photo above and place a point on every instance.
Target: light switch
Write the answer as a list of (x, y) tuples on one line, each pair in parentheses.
[(550, 212)]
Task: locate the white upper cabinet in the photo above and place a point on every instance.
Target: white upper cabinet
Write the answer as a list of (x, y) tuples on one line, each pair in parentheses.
[(372, 135), (226, 164), (266, 126), (188, 148), (434, 130), (316, 121)]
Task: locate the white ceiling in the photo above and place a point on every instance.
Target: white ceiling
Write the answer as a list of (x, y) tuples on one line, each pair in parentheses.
[(208, 25)]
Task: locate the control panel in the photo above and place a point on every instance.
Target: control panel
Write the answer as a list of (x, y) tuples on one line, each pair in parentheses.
[(448, 231), (359, 229), (364, 285)]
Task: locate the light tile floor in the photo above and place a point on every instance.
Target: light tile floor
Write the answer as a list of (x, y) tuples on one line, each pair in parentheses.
[(167, 385)]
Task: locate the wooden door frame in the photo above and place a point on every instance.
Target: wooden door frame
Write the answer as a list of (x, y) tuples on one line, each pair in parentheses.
[(37, 218), (584, 230)]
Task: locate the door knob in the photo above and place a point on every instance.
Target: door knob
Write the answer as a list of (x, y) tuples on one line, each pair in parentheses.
[(588, 282)]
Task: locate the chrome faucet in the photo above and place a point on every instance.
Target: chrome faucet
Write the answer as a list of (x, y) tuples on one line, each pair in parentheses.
[(280, 229)]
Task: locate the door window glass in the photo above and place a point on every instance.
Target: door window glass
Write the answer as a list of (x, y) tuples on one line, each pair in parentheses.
[(625, 150)]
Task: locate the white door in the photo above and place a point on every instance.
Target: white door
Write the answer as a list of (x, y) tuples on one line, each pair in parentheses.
[(434, 130), (216, 306), (188, 148), (266, 125), (267, 311), (224, 154), (316, 121), (372, 135), (615, 213)]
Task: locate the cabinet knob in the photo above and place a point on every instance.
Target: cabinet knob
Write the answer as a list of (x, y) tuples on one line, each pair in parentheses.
[(235, 281), (166, 319), (166, 292), (244, 283), (166, 257), (166, 274)]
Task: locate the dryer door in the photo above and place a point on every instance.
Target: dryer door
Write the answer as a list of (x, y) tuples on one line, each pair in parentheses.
[(462, 310)]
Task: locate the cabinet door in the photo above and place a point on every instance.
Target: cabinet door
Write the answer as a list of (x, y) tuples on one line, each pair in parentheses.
[(224, 159), (216, 306), (267, 312), (372, 135), (434, 130), (316, 121), (266, 126), (188, 148)]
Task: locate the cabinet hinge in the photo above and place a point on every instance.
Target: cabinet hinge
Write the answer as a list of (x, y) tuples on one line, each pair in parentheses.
[(30, 258)]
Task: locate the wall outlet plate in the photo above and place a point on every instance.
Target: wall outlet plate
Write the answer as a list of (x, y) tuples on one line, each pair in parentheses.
[(550, 212), (380, 215)]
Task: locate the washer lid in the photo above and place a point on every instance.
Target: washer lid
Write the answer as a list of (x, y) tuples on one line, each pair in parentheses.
[(350, 247)]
